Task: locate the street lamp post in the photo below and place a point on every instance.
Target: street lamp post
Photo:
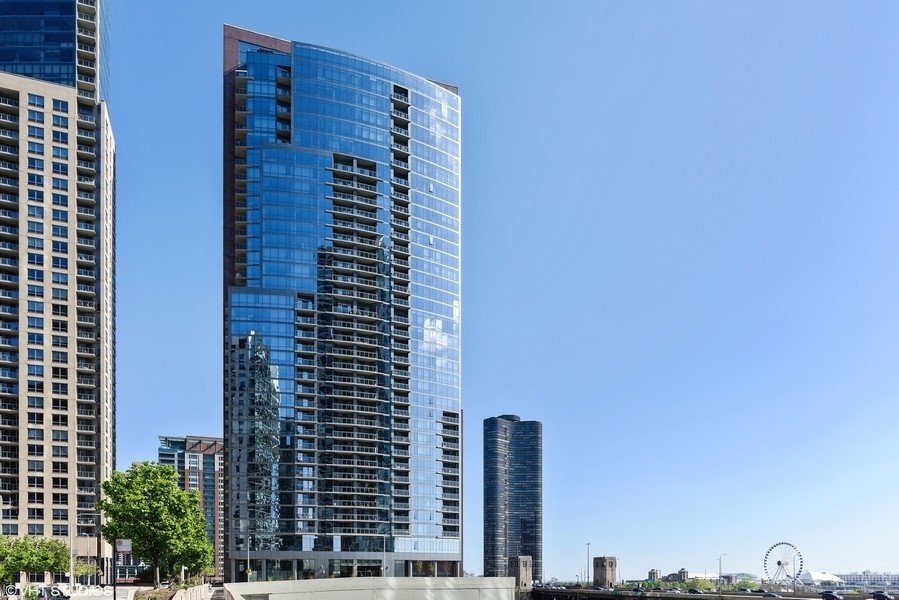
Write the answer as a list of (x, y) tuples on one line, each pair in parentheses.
[(73, 524), (383, 536), (719, 573), (587, 572)]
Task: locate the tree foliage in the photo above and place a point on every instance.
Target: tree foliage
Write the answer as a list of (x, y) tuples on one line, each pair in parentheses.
[(164, 523), (31, 554)]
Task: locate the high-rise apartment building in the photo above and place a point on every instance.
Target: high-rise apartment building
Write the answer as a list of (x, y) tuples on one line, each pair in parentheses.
[(57, 273), (199, 461), (513, 494), (342, 199)]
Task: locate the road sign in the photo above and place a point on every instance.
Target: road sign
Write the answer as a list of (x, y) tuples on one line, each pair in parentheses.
[(248, 571)]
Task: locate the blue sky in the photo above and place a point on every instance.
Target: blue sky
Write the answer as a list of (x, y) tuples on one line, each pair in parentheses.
[(680, 254)]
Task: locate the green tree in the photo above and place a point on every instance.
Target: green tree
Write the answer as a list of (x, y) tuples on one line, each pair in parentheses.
[(164, 523), (31, 554)]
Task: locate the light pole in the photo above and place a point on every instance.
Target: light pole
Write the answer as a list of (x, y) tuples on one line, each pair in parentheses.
[(73, 523), (587, 572), (384, 568), (720, 556)]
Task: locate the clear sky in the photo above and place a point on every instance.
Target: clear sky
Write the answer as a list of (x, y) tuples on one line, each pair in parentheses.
[(681, 233)]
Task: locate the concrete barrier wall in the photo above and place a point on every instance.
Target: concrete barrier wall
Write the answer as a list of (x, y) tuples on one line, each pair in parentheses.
[(198, 592), (376, 588)]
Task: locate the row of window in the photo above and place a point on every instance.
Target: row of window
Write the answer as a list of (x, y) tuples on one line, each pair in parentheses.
[(38, 196), (35, 529), (57, 451), (37, 291), (38, 101), (36, 116), (38, 148), (38, 165), (58, 183), (59, 514), (37, 133), (35, 418)]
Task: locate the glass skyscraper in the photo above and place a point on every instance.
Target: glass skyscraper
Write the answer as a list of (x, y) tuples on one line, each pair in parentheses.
[(342, 200), (57, 273), (513, 494), (198, 461)]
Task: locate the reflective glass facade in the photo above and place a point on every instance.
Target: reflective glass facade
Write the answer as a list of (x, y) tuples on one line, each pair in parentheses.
[(342, 315), (513, 494), (57, 274), (54, 40)]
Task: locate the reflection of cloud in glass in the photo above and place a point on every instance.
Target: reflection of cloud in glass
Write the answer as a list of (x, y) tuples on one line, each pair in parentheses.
[(434, 340)]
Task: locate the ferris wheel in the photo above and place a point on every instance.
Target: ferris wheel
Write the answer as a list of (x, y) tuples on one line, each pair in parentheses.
[(783, 563)]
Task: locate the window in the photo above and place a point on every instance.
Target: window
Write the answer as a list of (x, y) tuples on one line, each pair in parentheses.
[(35, 243), (10, 529), (60, 404), (60, 278), (60, 294), (60, 357), (60, 467), (60, 137), (60, 200), (35, 259), (35, 100), (61, 421), (35, 227), (35, 481), (35, 148), (60, 215), (36, 322), (60, 530), (36, 163), (35, 466), (60, 341), (59, 373), (35, 338), (60, 231), (36, 291), (60, 498), (60, 436), (36, 387), (60, 152), (35, 450), (35, 307), (35, 418), (36, 513), (60, 105), (60, 168), (60, 388), (35, 354), (35, 275), (60, 514), (36, 211), (36, 434), (35, 195), (60, 184), (35, 529), (35, 179), (60, 121), (35, 116), (35, 132), (60, 246), (60, 310), (35, 402), (60, 483)]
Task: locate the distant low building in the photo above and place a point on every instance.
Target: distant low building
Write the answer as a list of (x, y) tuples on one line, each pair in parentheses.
[(816, 578)]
